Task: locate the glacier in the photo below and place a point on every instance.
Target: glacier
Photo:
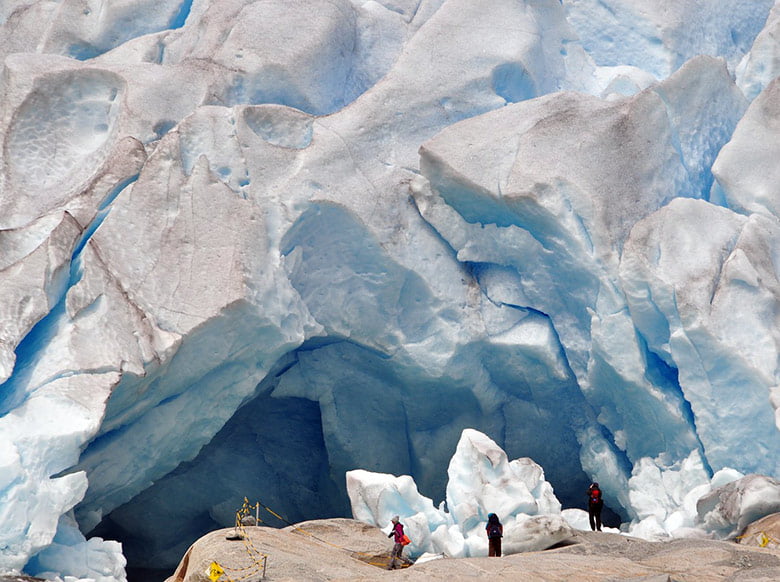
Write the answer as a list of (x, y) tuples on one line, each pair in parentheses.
[(248, 246)]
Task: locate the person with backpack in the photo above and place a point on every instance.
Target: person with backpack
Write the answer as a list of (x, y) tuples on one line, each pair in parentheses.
[(595, 504), (399, 538), (495, 532)]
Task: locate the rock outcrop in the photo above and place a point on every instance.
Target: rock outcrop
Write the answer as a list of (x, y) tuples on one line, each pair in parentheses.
[(348, 550), (764, 532)]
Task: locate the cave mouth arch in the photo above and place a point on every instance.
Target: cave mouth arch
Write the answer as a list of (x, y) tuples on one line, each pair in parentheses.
[(274, 450)]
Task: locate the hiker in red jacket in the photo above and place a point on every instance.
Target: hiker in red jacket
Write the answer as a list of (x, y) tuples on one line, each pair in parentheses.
[(397, 533), (494, 531), (595, 504)]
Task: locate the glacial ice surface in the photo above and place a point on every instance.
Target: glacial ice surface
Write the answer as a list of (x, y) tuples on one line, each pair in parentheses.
[(248, 246)]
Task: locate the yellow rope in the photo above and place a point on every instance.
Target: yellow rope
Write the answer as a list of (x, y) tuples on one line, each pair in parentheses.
[(218, 572), (259, 560), (763, 539)]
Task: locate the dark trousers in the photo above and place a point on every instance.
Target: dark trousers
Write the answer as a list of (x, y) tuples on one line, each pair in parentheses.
[(396, 557), (494, 547), (594, 515)]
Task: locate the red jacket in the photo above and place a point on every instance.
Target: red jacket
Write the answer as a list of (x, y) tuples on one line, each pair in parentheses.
[(594, 496), (398, 532)]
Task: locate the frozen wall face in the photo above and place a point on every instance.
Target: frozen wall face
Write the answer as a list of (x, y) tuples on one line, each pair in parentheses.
[(248, 246), (659, 36)]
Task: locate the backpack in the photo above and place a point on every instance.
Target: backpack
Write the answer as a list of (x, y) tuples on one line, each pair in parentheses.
[(494, 531), (595, 496)]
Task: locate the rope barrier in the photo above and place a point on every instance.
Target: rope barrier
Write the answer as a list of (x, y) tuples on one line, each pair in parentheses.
[(220, 573), (303, 531), (763, 539), (365, 555), (259, 560)]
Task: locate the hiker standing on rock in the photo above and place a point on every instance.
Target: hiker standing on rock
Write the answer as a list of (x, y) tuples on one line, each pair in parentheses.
[(397, 533), (595, 504), (494, 531)]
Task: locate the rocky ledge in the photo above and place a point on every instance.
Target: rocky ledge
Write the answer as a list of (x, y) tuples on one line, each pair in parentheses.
[(349, 550)]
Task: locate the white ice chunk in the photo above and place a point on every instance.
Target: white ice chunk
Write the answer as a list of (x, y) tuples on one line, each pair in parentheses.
[(727, 510), (659, 495), (377, 497), (481, 477), (71, 555), (530, 533), (746, 169), (659, 36), (516, 491), (762, 64)]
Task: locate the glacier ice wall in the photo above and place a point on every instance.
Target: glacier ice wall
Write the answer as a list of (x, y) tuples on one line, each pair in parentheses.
[(247, 246)]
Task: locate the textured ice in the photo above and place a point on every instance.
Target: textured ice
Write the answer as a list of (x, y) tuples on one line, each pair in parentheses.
[(756, 141), (249, 246), (728, 509), (660, 36), (762, 63), (726, 369), (93, 559)]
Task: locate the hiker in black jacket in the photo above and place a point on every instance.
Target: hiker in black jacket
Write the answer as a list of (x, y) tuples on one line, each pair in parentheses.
[(494, 531)]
